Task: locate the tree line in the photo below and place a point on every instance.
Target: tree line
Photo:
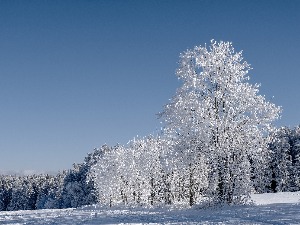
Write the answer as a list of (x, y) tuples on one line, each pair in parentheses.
[(77, 187), (67, 189)]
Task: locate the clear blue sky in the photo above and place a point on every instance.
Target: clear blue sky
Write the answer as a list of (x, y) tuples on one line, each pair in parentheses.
[(78, 74)]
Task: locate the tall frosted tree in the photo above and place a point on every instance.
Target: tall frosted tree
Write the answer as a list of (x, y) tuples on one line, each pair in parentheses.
[(218, 118)]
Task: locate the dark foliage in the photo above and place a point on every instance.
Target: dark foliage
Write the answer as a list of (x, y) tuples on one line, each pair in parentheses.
[(66, 189)]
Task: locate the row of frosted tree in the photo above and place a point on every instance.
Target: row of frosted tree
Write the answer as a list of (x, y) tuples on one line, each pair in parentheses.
[(217, 145), (142, 174), (138, 174)]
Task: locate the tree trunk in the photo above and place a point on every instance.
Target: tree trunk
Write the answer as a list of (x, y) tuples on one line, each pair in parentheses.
[(191, 187)]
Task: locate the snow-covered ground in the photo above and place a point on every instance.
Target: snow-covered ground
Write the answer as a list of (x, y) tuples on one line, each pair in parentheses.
[(279, 208)]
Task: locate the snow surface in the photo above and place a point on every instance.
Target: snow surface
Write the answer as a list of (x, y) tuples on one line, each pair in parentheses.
[(278, 208)]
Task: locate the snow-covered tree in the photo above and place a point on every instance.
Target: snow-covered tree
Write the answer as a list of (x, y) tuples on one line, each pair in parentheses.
[(130, 175), (146, 155), (103, 174), (218, 118), (186, 172), (280, 160), (284, 162), (6, 185), (23, 194), (77, 190)]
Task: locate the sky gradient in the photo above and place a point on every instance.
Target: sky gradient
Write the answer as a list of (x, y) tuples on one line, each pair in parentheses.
[(78, 74)]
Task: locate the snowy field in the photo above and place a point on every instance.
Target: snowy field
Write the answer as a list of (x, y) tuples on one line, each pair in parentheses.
[(279, 208)]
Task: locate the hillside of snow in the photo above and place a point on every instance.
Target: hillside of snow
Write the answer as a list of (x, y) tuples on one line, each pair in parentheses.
[(269, 208)]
